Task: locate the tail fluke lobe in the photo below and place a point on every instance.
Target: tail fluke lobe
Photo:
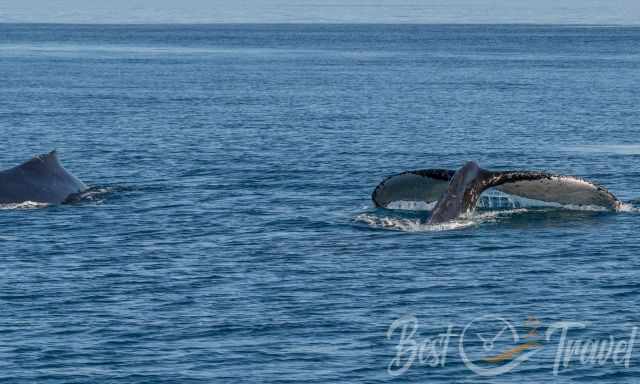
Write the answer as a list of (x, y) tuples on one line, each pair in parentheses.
[(552, 188), (425, 185)]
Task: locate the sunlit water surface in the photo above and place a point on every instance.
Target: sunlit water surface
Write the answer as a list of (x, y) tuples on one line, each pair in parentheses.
[(231, 237)]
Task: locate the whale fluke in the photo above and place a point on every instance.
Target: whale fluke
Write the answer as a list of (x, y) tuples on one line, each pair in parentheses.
[(42, 179), (457, 192)]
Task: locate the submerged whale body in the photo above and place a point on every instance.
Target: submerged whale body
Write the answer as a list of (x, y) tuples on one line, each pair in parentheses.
[(42, 180), (456, 193)]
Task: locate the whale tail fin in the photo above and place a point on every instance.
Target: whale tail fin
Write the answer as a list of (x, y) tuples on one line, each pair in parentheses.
[(433, 185)]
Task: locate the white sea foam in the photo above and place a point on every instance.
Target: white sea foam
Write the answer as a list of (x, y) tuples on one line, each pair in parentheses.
[(409, 225), (476, 218), (628, 208), (375, 220), (23, 205), (95, 194), (420, 225)]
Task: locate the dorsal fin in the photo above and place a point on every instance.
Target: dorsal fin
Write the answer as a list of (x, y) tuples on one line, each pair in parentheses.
[(42, 163), (41, 179)]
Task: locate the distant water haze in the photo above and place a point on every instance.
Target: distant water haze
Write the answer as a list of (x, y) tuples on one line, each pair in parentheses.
[(625, 12)]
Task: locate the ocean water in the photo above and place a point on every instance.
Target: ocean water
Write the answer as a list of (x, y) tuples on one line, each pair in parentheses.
[(232, 237)]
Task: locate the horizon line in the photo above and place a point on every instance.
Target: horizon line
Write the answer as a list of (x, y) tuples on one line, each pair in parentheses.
[(267, 23)]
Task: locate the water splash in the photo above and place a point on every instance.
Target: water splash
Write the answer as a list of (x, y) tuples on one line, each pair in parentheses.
[(420, 224), (408, 225), (492, 206), (93, 194), (493, 199), (629, 208), (23, 205)]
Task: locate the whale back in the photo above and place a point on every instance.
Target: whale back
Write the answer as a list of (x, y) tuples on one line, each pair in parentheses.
[(42, 179)]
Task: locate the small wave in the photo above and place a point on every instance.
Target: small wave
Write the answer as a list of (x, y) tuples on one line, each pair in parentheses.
[(23, 205), (616, 149), (491, 215)]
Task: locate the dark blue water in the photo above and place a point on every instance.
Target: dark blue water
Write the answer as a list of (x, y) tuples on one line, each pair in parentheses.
[(234, 240)]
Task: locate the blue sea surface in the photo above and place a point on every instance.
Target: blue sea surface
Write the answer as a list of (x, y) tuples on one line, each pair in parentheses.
[(233, 239)]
